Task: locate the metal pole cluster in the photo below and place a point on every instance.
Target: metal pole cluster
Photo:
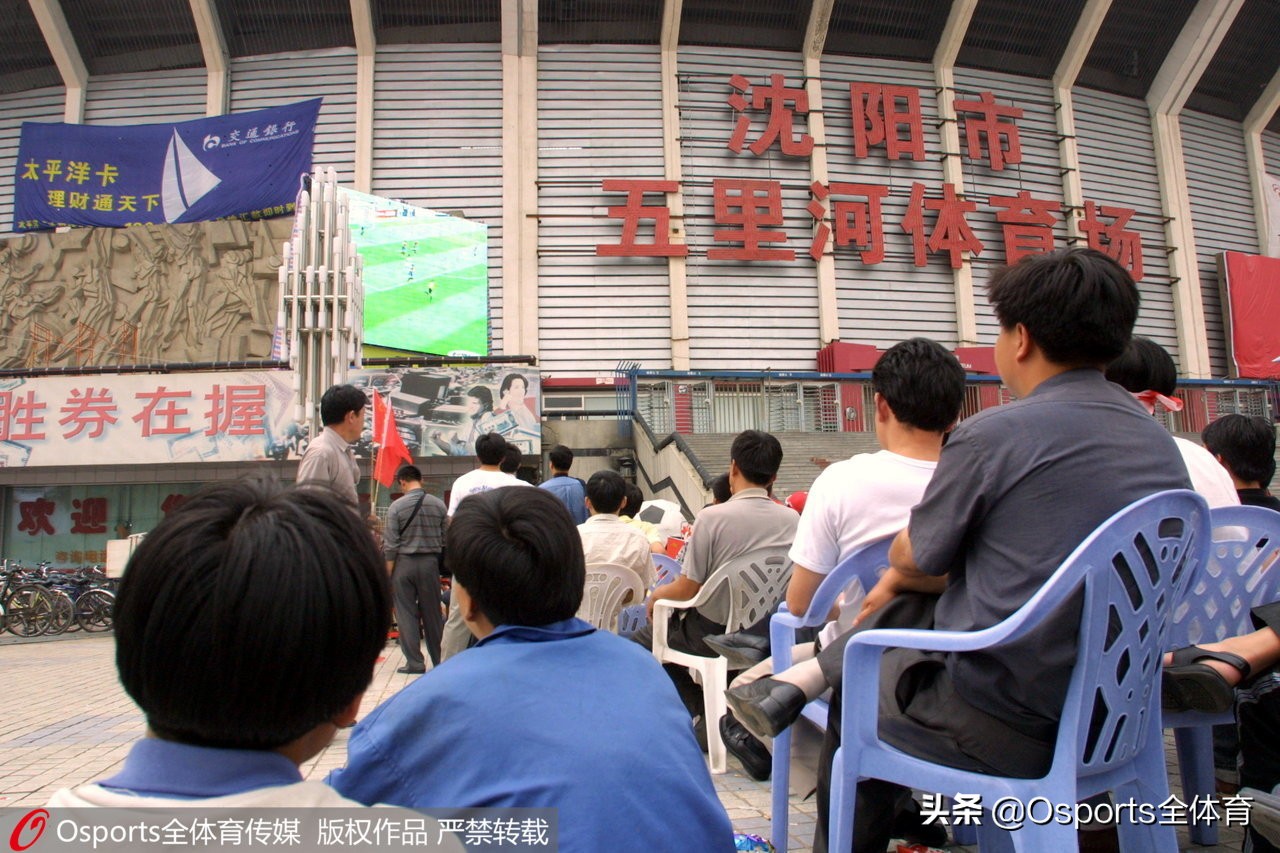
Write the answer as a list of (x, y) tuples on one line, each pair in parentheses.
[(320, 308)]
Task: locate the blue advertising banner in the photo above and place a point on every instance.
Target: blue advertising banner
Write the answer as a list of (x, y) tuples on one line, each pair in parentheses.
[(243, 164)]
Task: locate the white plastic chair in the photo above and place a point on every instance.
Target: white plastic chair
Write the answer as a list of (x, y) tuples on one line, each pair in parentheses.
[(1133, 569), (756, 582), (1242, 572), (609, 588)]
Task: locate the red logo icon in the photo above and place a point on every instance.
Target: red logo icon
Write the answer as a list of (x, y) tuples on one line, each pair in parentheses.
[(33, 821)]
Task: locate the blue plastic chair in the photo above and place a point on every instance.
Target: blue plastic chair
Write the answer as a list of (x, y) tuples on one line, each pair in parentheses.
[(864, 567), (632, 618), (1129, 573), (1240, 574)]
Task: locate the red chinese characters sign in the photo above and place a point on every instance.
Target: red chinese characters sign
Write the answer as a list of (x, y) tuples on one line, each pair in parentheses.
[(847, 215), (140, 418)]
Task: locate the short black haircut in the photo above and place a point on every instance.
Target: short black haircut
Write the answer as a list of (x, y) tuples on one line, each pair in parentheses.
[(250, 615), (509, 380), (720, 489), (338, 400), (634, 500), (518, 555), (758, 454), (922, 382), (1246, 444), (1078, 305), (409, 474), (484, 395), (606, 490), (561, 458), (1144, 366), (491, 449), (511, 458)]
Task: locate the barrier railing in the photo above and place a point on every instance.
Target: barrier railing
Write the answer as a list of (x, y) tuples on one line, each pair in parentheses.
[(690, 403)]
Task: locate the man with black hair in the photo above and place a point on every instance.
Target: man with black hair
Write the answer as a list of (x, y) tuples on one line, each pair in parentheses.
[(606, 538), (546, 711), (918, 390), (1146, 370), (412, 542), (491, 450), (511, 458), (1246, 447), (238, 690), (630, 514), (749, 521), (571, 491), (1016, 489), (329, 460)]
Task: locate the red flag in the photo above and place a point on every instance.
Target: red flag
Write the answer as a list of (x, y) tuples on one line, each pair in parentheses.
[(391, 450)]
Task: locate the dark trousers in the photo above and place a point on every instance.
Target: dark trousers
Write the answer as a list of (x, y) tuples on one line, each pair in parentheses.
[(1258, 716), (921, 714), (415, 584), (684, 634)]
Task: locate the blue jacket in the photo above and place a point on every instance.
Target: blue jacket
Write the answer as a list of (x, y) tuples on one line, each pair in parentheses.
[(560, 715)]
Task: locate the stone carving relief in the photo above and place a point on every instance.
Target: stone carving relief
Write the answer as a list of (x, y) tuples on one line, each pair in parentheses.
[(149, 294)]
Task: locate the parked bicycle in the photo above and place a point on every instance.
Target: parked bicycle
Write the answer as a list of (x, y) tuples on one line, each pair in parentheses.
[(26, 606)]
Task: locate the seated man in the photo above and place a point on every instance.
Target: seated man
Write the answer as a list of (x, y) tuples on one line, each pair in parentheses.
[(545, 711), (1146, 370), (1246, 447), (606, 538), (238, 691), (1244, 671), (919, 387), (1017, 488), (748, 521), (630, 514)]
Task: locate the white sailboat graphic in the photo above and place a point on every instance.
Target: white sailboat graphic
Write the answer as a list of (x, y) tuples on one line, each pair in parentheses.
[(186, 179)]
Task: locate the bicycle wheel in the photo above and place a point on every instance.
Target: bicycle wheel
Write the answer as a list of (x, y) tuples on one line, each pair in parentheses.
[(30, 610), (63, 612), (93, 610)]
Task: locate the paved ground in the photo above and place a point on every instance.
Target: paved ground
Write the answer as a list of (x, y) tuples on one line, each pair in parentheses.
[(65, 720)]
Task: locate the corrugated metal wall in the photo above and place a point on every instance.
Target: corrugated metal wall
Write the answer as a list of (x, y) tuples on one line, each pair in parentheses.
[(884, 303), (1221, 211), (437, 138), (38, 105), (155, 97), (759, 314), (1118, 167), (599, 116), (1039, 173), (269, 81), (1271, 153)]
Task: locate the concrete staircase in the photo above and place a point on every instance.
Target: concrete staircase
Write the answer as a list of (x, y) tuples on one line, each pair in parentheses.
[(797, 472)]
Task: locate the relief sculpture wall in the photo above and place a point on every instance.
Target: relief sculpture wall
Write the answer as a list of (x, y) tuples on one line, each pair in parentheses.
[(149, 294)]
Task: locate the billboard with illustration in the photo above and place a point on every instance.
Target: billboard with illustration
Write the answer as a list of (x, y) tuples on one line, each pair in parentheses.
[(440, 411)]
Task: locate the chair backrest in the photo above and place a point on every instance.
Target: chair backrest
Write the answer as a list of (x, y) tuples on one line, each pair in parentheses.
[(863, 567), (1135, 567), (665, 570), (609, 588), (757, 581), (1242, 572)]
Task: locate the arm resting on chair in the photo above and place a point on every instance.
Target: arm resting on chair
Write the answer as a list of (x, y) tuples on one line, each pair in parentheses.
[(681, 589)]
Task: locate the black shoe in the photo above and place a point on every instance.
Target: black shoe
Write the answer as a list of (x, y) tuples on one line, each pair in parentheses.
[(767, 706), (747, 748), (411, 670), (909, 824), (741, 649)]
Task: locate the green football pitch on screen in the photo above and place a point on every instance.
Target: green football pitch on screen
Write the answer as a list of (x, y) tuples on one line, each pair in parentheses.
[(426, 277)]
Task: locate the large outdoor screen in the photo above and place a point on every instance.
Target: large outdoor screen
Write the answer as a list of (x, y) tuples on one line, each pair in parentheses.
[(426, 277)]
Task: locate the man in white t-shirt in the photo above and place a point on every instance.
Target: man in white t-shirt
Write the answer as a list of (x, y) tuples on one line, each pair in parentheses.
[(491, 450), (919, 387)]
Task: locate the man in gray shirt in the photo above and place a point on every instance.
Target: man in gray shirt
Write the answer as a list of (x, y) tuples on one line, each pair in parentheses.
[(329, 461), (412, 544)]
